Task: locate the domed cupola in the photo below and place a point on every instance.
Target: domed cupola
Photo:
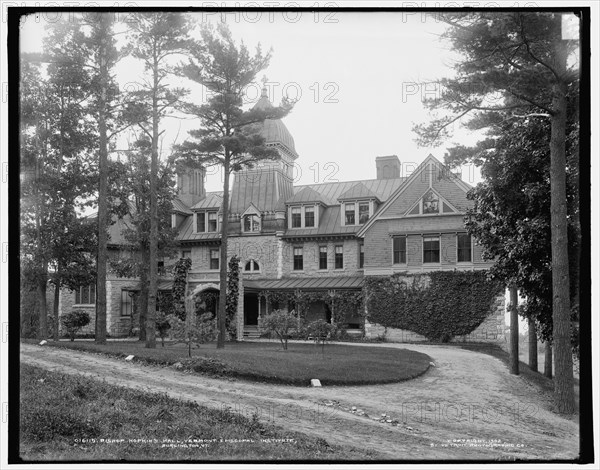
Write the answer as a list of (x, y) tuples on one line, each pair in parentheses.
[(274, 130)]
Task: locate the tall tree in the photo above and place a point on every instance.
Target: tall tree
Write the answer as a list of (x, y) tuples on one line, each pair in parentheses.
[(522, 56), (154, 37), (135, 210), (228, 135), (57, 139)]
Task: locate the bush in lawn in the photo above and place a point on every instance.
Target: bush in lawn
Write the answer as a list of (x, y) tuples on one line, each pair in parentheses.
[(162, 327), (194, 329), (280, 322), (74, 321), (320, 330)]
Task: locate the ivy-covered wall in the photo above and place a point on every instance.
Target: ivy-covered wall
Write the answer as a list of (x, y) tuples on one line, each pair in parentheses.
[(437, 306)]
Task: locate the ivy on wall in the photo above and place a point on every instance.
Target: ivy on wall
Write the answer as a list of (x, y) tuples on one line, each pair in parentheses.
[(438, 305), (180, 271), (233, 288)]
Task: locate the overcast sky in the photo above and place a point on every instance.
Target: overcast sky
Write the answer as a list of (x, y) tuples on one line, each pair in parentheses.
[(359, 79)]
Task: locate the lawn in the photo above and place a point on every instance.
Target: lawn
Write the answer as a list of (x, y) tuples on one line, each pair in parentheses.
[(336, 364), (66, 417)]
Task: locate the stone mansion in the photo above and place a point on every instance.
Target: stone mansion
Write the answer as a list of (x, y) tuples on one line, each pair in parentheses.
[(316, 237)]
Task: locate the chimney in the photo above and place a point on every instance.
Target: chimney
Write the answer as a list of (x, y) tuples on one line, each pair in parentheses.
[(388, 167), (190, 185)]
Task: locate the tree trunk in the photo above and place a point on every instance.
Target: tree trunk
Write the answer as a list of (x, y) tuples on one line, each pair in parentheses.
[(43, 312), (152, 293), (548, 360), (55, 318), (100, 325), (514, 331), (143, 294), (561, 307), (221, 314), (533, 352)]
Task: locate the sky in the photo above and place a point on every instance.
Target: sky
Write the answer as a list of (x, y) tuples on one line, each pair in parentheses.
[(359, 80)]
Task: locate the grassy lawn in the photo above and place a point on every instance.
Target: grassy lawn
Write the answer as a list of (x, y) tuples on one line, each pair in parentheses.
[(67, 418), (338, 364)]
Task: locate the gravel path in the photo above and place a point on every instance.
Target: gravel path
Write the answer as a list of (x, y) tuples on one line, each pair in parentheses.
[(466, 407)]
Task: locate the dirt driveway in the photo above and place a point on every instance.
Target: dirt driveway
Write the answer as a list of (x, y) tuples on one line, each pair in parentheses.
[(466, 407)]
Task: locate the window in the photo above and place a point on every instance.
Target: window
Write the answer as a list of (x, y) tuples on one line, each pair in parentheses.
[(86, 294), (322, 257), (251, 266), (127, 303), (186, 254), (160, 266), (339, 257), (251, 223), (431, 250), (201, 222), (463, 244), (214, 259), (363, 212), (309, 216), (361, 255), (349, 213), (399, 250), (296, 217), (212, 221), (298, 259)]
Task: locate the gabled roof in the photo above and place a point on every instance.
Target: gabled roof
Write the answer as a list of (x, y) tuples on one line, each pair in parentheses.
[(330, 192), (407, 183), (305, 195), (186, 232), (358, 191), (213, 200)]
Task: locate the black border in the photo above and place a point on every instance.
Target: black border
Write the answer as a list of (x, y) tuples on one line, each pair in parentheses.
[(586, 399)]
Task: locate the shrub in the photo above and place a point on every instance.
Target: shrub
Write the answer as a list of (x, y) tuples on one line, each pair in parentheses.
[(280, 322), (74, 321), (320, 330), (162, 327)]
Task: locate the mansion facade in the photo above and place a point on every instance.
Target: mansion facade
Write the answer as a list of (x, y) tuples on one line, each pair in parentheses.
[(316, 237)]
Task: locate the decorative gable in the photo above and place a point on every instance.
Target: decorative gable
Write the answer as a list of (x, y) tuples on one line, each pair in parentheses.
[(305, 196), (431, 203)]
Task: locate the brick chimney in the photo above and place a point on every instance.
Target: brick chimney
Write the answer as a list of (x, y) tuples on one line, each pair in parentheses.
[(388, 167), (190, 185)]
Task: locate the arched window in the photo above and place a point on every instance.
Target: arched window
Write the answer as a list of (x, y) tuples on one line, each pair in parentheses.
[(251, 266)]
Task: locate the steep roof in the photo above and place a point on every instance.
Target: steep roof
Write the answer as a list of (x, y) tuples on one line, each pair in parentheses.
[(180, 207), (306, 194), (186, 232), (357, 191), (211, 201), (331, 192)]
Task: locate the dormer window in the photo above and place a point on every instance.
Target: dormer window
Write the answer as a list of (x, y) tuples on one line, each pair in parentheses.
[(305, 216), (356, 212), (206, 221), (296, 217), (309, 216), (251, 223), (349, 213)]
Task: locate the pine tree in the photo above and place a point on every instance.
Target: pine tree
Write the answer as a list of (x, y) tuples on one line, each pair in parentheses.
[(228, 136)]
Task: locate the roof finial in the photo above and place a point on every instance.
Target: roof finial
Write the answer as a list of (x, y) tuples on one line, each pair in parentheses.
[(264, 93)]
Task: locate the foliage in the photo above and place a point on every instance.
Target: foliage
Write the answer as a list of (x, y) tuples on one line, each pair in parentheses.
[(228, 135), (233, 291), (320, 331), (180, 271), (194, 329), (340, 302), (162, 326), (280, 322), (75, 320), (438, 305)]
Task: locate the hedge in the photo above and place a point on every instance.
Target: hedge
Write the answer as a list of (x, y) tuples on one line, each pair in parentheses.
[(438, 305)]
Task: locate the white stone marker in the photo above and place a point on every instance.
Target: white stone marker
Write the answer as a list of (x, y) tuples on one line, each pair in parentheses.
[(315, 383), (43, 342), (130, 357)]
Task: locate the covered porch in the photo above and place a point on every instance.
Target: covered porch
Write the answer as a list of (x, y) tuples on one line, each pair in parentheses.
[(317, 297)]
